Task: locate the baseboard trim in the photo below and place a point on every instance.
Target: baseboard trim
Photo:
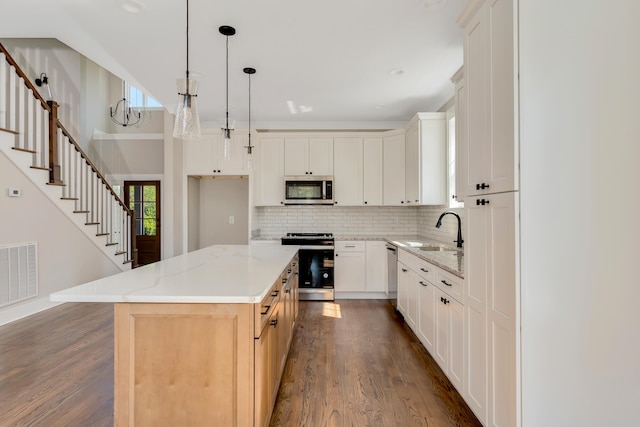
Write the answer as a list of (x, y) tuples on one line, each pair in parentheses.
[(12, 313)]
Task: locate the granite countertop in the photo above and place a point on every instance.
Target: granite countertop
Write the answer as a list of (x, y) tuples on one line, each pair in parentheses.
[(217, 274), (451, 260)]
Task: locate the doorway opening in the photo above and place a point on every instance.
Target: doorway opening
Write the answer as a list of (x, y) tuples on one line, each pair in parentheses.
[(143, 197)]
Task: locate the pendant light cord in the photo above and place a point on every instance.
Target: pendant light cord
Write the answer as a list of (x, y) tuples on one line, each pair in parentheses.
[(249, 112), (187, 46), (227, 113)]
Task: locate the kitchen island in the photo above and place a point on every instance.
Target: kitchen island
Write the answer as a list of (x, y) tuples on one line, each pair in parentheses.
[(201, 338)]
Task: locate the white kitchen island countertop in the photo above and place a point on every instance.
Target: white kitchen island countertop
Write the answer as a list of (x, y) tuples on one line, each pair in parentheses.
[(217, 274)]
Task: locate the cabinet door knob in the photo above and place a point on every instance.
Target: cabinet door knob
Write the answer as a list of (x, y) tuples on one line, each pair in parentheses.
[(445, 282), (274, 322), (365, 202), (404, 270)]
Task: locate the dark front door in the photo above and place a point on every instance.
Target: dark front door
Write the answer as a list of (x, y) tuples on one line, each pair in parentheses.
[(143, 197)]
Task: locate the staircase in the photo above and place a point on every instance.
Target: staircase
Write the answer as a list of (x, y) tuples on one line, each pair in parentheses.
[(50, 157)]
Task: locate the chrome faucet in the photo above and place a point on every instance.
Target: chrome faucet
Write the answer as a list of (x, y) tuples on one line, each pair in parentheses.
[(439, 224)]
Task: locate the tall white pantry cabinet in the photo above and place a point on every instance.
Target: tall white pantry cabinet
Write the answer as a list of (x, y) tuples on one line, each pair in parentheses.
[(487, 181)]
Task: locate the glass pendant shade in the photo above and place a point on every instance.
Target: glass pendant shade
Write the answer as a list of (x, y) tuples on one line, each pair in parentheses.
[(187, 123)]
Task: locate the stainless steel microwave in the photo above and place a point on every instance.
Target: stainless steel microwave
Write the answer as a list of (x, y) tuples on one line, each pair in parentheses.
[(308, 190)]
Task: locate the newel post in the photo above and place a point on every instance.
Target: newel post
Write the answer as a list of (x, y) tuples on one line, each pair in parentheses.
[(134, 248), (54, 162)]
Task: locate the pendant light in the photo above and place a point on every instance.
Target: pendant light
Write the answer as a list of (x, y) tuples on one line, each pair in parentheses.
[(249, 71), (187, 123), (124, 114), (227, 31)]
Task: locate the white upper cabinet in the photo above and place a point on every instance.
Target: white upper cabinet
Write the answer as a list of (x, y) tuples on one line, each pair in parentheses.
[(308, 156), (270, 171), (372, 171), (206, 155), (426, 159), (489, 162), (394, 169), (462, 135), (348, 171)]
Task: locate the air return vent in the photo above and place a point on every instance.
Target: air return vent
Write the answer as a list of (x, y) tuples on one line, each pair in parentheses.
[(18, 273)]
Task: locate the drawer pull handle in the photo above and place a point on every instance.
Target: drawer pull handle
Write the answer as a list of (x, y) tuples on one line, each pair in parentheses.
[(266, 309), (404, 270), (482, 186), (445, 282), (426, 271), (422, 283), (349, 246), (274, 322), (275, 293), (482, 202)]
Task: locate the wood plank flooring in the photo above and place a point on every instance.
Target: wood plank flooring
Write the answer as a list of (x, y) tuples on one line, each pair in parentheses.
[(352, 363), (355, 363)]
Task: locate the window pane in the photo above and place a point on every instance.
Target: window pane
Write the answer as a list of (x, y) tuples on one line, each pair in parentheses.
[(152, 103), (136, 97), (150, 193), (149, 227), (149, 210), (139, 228)]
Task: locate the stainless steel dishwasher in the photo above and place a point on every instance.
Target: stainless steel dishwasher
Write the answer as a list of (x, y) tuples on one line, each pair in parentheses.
[(392, 266)]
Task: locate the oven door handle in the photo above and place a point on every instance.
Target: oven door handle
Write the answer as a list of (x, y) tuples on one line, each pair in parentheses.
[(318, 247)]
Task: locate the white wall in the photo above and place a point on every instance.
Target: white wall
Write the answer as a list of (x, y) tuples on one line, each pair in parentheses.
[(580, 148), (66, 257), (211, 204)]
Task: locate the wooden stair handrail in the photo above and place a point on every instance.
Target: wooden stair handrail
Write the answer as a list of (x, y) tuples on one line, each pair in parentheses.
[(44, 104), (66, 133), (22, 74), (54, 124)]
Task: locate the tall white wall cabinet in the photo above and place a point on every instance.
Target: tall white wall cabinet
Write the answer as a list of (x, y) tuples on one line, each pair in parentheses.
[(487, 181)]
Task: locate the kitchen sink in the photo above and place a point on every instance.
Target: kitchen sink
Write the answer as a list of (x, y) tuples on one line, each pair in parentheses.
[(436, 248)]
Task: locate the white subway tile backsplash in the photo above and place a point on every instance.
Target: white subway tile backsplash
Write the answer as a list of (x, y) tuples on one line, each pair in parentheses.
[(274, 222)]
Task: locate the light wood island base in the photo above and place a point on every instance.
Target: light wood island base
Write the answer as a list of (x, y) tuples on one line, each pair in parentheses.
[(184, 364), (202, 364)]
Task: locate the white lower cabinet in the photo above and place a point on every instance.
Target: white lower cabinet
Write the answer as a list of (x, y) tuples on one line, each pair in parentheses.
[(349, 267), (427, 317), (376, 275), (428, 298), (360, 269)]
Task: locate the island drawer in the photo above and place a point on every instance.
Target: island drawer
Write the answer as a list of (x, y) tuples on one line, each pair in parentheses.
[(423, 268), (264, 309)]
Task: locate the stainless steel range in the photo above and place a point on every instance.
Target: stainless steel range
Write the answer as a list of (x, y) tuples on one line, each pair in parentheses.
[(316, 264)]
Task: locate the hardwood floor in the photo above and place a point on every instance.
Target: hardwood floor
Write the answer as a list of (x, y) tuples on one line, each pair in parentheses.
[(56, 367), (352, 363), (355, 363)]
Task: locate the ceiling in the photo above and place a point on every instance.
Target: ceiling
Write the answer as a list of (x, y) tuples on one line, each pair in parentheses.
[(329, 64)]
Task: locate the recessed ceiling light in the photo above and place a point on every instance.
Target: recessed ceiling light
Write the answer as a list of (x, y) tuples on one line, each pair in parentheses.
[(132, 6), (395, 72)]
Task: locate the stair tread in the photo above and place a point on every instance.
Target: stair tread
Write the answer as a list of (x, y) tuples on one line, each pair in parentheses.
[(128, 261), (9, 131), (56, 184), (121, 252), (102, 234), (69, 198), (80, 211), (112, 244), (24, 150), (40, 168), (91, 223)]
